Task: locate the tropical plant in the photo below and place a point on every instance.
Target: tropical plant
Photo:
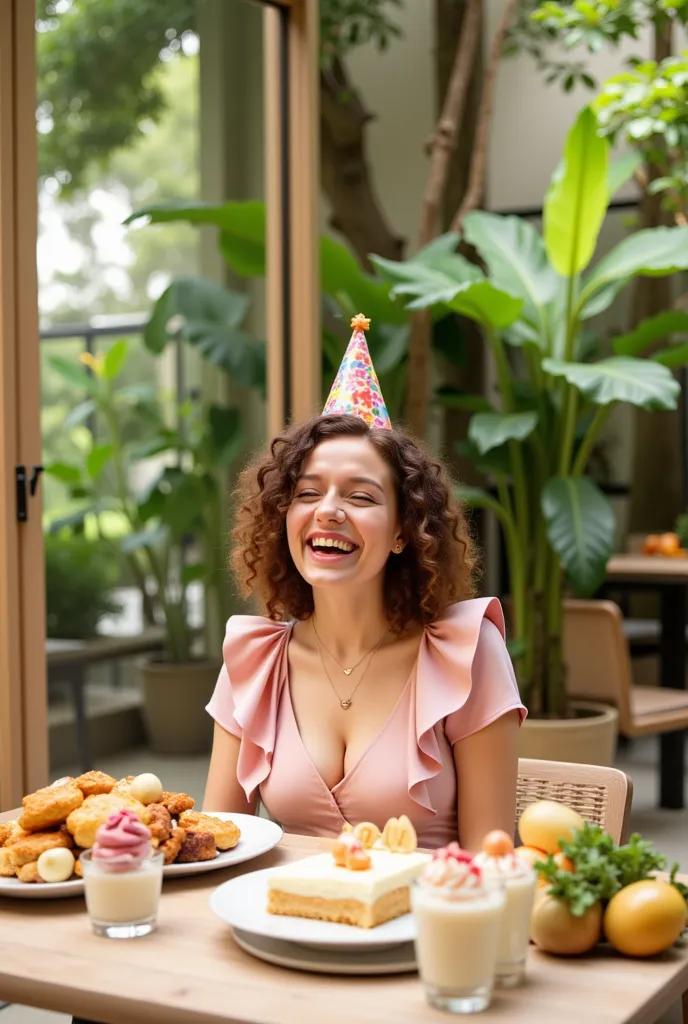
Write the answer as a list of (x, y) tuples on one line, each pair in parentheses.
[(534, 305), (79, 577), (176, 534)]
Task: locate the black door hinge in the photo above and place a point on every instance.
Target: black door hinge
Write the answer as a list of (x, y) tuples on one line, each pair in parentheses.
[(20, 477)]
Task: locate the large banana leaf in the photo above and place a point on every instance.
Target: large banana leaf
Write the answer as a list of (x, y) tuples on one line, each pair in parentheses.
[(647, 332), (488, 430), (622, 170), (432, 279), (577, 199), (655, 252), (487, 305), (580, 529), (514, 253), (640, 382)]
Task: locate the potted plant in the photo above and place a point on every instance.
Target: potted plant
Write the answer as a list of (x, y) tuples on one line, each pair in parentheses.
[(175, 532), (79, 579), (535, 303)]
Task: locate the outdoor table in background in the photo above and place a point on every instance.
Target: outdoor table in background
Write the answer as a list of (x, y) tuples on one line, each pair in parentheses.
[(192, 972), (669, 578)]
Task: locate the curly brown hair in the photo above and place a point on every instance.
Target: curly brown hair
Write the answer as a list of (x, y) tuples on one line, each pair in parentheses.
[(436, 567)]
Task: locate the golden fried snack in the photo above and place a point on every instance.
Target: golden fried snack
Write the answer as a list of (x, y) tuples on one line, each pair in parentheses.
[(177, 803), (7, 868), (6, 829), (15, 832), (29, 873), (171, 847), (78, 870), (122, 786), (197, 846), (95, 783), (160, 823), (84, 822), (29, 849), (49, 806), (226, 833)]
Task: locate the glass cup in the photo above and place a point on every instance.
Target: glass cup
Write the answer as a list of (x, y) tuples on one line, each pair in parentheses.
[(122, 904), (457, 944), (515, 932)]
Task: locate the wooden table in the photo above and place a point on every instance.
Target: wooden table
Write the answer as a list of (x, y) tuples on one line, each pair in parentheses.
[(190, 971), (669, 578)]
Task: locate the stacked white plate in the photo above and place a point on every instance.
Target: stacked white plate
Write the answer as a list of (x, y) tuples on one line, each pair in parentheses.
[(320, 946)]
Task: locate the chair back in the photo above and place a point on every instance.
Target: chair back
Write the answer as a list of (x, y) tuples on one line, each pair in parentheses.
[(598, 664), (601, 795)]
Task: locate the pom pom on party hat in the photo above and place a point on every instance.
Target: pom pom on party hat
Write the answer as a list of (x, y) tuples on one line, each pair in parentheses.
[(356, 389)]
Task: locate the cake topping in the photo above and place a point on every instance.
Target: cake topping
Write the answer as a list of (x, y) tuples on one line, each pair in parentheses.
[(399, 835), (498, 857), (122, 843), (367, 833), (453, 873), (348, 852)]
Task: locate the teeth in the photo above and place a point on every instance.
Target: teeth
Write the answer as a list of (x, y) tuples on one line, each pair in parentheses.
[(328, 542)]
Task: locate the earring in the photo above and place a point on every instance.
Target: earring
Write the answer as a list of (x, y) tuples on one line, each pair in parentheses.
[(398, 548)]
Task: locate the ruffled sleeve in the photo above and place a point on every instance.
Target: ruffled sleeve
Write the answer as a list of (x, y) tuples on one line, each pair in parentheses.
[(247, 693), (465, 679)]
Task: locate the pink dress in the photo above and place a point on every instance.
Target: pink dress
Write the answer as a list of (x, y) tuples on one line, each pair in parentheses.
[(462, 680)]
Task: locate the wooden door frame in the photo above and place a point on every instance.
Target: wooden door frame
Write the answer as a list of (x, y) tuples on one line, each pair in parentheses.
[(293, 319), (23, 701)]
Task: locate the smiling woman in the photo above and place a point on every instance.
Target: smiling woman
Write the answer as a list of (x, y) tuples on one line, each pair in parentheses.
[(377, 685)]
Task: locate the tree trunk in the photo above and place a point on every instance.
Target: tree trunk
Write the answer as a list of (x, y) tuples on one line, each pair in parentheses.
[(346, 179), (657, 492)]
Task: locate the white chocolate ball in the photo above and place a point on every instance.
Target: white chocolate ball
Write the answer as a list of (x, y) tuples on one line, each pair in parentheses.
[(146, 788), (56, 865)]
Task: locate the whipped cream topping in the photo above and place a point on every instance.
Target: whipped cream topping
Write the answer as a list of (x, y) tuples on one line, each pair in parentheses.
[(508, 866), (453, 874), (122, 843)]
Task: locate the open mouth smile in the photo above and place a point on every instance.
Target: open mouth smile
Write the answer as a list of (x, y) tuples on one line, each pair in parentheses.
[(330, 549)]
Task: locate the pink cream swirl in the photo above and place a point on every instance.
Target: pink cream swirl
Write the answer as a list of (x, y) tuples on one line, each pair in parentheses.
[(453, 874), (122, 843)]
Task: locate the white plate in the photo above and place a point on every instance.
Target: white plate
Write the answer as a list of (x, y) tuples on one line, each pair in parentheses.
[(258, 835), (395, 960), (242, 902)]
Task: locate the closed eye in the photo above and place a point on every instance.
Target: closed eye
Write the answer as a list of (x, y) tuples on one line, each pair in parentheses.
[(363, 497), (308, 494)]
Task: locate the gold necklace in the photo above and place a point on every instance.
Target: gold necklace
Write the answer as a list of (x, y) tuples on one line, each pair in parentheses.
[(346, 671), (348, 701)]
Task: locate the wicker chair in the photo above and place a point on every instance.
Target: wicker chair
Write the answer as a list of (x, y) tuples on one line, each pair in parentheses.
[(601, 796)]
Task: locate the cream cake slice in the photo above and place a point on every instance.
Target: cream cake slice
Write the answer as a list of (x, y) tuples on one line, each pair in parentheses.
[(351, 885)]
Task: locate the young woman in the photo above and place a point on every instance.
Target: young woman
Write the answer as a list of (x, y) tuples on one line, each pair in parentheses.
[(377, 685)]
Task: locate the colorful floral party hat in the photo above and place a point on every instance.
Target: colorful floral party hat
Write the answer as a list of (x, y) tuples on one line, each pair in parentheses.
[(356, 389)]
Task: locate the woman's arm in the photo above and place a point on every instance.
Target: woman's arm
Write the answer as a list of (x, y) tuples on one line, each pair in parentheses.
[(487, 774), (222, 790)]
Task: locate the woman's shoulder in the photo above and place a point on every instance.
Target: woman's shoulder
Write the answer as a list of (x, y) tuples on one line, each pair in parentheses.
[(470, 621)]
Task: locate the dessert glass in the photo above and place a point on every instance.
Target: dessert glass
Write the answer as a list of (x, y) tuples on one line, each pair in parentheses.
[(457, 943), (122, 904)]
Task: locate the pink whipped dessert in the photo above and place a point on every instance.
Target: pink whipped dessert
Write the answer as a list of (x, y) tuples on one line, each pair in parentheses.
[(122, 843)]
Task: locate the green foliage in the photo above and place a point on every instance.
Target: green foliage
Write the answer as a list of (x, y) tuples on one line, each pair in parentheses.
[(99, 69), (175, 532), (601, 867), (79, 577), (647, 106), (555, 391)]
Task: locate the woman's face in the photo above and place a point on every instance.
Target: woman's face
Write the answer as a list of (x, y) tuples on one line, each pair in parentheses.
[(343, 521)]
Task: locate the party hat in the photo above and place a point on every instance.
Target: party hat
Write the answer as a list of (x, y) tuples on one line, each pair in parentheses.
[(356, 389)]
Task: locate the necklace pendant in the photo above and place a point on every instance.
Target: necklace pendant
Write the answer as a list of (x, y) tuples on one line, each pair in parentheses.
[(348, 671), (346, 704)]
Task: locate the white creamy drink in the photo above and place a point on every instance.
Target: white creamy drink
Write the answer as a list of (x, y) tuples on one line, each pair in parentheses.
[(128, 898), (499, 862), (458, 916)]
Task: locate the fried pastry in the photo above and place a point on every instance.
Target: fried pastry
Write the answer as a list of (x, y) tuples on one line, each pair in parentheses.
[(29, 873), (160, 823), (49, 806), (78, 870), (197, 846), (6, 830), (16, 832), (226, 833), (177, 803), (84, 822), (122, 786), (95, 783), (7, 868), (29, 849), (171, 847)]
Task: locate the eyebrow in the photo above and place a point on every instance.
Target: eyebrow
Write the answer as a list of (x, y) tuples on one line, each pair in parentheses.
[(353, 480)]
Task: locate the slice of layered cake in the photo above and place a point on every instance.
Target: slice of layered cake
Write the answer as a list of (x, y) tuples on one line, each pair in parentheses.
[(364, 881)]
